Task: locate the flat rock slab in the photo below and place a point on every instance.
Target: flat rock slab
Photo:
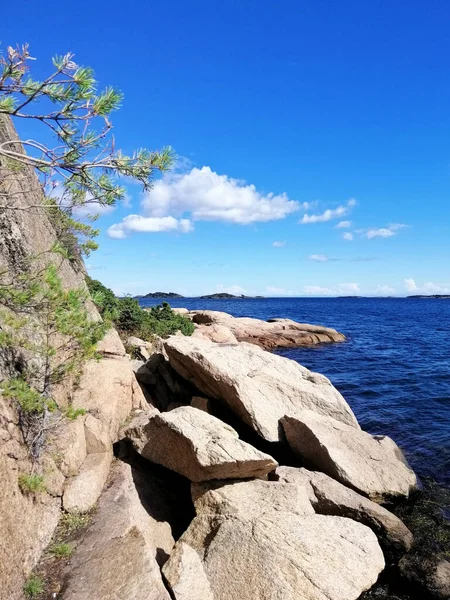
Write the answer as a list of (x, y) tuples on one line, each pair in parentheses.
[(82, 490), (278, 555), (259, 387), (117, 556), (275, 333), (371, 465), (198, 446), (329, 497), (250, 499)]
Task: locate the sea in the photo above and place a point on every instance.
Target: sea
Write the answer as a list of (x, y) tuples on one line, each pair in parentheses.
[(393, 370)]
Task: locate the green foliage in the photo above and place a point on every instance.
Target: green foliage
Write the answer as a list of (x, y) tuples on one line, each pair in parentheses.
[(29, 399), (31, 484), (61, 550), (72, 413), (53, 326), (33, 587), (84, 159), (104, 298), (131, 319), (75, 237), (131, 316), (167, 322)]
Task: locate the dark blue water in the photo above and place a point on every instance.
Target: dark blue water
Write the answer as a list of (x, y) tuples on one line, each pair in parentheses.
[(394, 370)]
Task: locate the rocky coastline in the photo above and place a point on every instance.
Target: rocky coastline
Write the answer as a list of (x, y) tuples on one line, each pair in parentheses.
[(221, 327), (279, 470), (223, 470)]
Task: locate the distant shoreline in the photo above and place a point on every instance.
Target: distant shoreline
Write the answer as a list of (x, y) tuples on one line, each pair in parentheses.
[(224, 296)]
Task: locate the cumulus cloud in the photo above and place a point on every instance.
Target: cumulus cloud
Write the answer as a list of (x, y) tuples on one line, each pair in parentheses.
[(329, 214), (278, 244), (384, 232), (427, 288), (138, 223), (208, 196), (347, 236), (343, 224), (178, 199), (318, 257)]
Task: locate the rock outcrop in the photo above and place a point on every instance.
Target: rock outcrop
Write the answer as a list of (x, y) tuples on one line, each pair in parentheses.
[(275, 333), (371, 465), (259, 387), (198, 446), (266, 554), (118, 556), (329, 497)]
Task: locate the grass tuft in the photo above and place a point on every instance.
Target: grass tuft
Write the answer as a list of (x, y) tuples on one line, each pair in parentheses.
[(33, 587), (31, 484), (62, 550)]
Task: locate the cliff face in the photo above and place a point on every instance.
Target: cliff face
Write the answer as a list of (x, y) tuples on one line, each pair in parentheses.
[(75, 449), (25, 229)]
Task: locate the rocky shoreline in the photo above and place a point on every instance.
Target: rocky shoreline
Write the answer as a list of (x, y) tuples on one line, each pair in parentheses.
[(221, 327), (280, 470), (238, 473)]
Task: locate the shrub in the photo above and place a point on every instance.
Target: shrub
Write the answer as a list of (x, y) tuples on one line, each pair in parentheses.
[(131, 319), (103, 298), (31, 484), (33, 587)]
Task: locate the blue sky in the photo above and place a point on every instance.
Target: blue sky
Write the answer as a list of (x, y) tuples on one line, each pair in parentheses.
[(333, 112)]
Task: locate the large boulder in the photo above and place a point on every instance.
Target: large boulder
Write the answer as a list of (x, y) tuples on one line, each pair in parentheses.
[(371, 465), (275, 554), (198, 446), (329, 497), (248, 499), (215, 333), (117, 557), (259, 387), (275, 333)]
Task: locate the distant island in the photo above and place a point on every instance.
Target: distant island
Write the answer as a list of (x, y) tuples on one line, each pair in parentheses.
[(225, 296), (438, 296), (162, 295)]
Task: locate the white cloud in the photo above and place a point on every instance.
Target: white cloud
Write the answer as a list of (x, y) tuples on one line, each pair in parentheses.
[(329, 214), (347, 236), (410, 285), (384, 232), (318, 257), (137, 223), (208, 196), (236, 290), (343, 224), (349, 288), (385, 289), (278, 244), (317, 290), (427, 288)]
